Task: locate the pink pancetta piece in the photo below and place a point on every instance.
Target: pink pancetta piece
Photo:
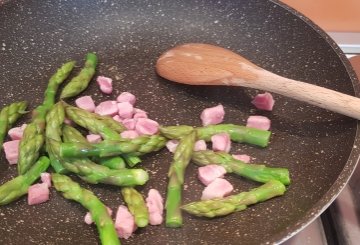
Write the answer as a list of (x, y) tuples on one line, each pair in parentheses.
[(209, 173), (86, 103), (212, 115), (146, 126), (259, 122), (139, 113), (38, 193), (17, 132), (124, 222), (68, 121), (217, 189), (126, 97), (155, 205), (94, 138), (171, 145), (221, 142), (129, 123), (200, 145), (107, 108), (242, 157), (129, 134), (264, 101), (11, 149), (125, 110), (117, 118), (46, 178), (105, 84), (88, 219)]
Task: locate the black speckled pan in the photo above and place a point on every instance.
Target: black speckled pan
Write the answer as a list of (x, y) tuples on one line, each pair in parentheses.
[(319, 147)]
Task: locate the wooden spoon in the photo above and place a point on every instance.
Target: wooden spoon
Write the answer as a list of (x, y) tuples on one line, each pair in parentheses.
[(204, 64)]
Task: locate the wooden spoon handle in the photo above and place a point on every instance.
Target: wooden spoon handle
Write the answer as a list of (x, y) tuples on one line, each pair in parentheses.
[(312, 94)]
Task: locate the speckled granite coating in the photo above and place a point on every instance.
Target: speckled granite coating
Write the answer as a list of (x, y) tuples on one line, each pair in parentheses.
[(320, 148)]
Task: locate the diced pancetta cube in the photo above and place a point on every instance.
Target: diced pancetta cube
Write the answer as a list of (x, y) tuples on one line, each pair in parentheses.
[(209, 173), (263, 101), (38, 193), (126, 97), (146, 126), (125, 110), (129, 123), (221, 142), (86, 103), (88, 219), (93, 138), (259, 122), (129, 134), (139, 113), (242, 157), (68, 121), (171, 145), (117, 118), (155, 205), (212, 115), (124, 222), (17, 132), (200, 145), (105, 84), (217, 189), (46, 178), (107, 108), (11, 149)]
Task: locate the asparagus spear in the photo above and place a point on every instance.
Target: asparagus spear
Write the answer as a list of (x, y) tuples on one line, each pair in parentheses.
[(17, 187), (131, 196), (86, 169), (255, 172), (54, 121), (182, 157), (33, 138), (237, 133), (107, 127), (138, 146), (82, 80), (71, 134), (8, 115), (72, 191), (136, 205), (223, 206)]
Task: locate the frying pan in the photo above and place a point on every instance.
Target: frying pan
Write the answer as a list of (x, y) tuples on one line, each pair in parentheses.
[(317, 146)]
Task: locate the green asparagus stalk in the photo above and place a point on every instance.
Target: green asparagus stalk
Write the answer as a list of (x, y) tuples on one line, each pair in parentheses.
[(136, 205), (107, 127), (94, 173), (116, 162), (54, 121), (237, 133), (256, 172), (34, 134), (8, 115), (182, 157), (82, 80), (175, 132), (72, 191), (17, 187), (138, 146), (71, 134), (223, 206)]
